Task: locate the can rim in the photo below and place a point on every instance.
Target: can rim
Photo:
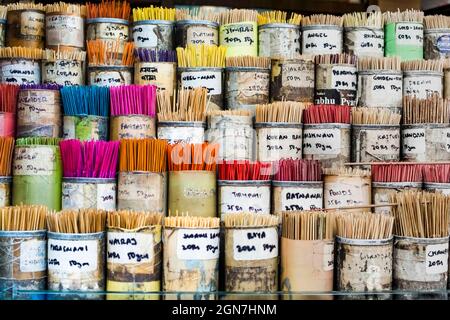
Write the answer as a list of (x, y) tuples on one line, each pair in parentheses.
[(198, 69), (109, 67), (326, 125), (364, 29), (247, 69), (394, 185), (23, 234), (182, 124), (422, 240), (365, 242), (192, 228), (380, 71), (436, 30), (142, 172), (155, 22), (423, 73), (243, 183), (89, 180), (3, 21), (435, 185), (197, 22), (323, 26), (279, 25), (275, 226), (6, 179), (75, 236), (106, 20), (297, 125), (85, 116), (426, 125), (376, 126), (279, 183)]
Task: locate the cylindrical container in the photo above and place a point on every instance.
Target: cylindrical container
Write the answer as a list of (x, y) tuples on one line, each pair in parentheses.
[(322, 39), (437, 187), (447, 83), (306, 265), (251, 261), (2, 32), (203, 77), (246, 87), (64, 31), (423, 84), (336, 84), (364, 41), (404, 39), (327, 142), (278, 140), (20, 71), (142, 191), (89, 193), (5, 191), (39, 113), (292, 80), (108, 29), (7, 124), (23, 264), (161, 74), (153, 34), (346, 191), (76, 263), (182, 131), (243, 196), (191, 263), (133, 261), (63, 72), (26, 28), (234, 134), (193, 191), (37, 174), (421, 265), (196, 32), (240, 38), (279, 40), (382, 191), (108, 76), (364, 265), (437, 43), (132, 126), (85, 128), (296, 196), (426, 142), (380, 142)]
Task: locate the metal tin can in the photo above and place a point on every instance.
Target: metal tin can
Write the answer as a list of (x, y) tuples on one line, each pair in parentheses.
[(446, 83), (423, 84), (108, 29), (85, 128), (240, 38), (404, 39), (161, 74), (322, 39), (182, 131), (132, 126), (20, 71), (296, 196), (346, 191), (153, 34), (108, 76), (437, 187), (436, 43), (196, 32), (336, 84), (2, 32), (89, 193), (5, 191), (64, 31), (26, 28), (63, 72), (279, 40), (382, 191), (364, 41)]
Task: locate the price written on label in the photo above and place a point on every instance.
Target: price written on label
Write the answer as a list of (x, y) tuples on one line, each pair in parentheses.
[(436, 258), (383, 143), (328, 257), (321, 141), (413, 141), (297, 75), (343, 78), (106, 78), (145, 36), (202, 35), (245, 199), (422, 86), (255, 244), (300, 198), (343, 195), (161, 75), (65, 72), (322, 41), (211, 80), (33, 256), (198, 244), (129, 247), (72, 256), (277, 143), (64, 30), (108, 31), (34, 161), (409, 34), (238, 34), (367, 41)]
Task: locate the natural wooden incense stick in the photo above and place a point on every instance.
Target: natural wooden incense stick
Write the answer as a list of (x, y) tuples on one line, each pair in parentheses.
[(201, 56), (322, 19), (309, 225), (23, 218), (21, 52), (53, 55), (238, 15), (77, 221), (197, 14), (132, 220), (437, 21), (153, 13), (268, 17), (363, 19), (281, 112), (191, 106), (108, 9), (374, 116), (26, 6), (431, 110), (364, 225), (423, 65), (373, 63), (248, 62), (62, 7)]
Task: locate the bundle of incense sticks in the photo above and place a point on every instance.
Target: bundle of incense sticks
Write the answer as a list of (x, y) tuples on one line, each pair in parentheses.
[(421, 214), (339, 58), (3, 12), (147, 155), (198, 14), (132, 220), (153, 13), (396, 173), (283, 111), (44, 141), (363, 19), (431, 110), (423, 65), (186, 221), (437, 21), (308, 225), (106, 53), (85, 100), (200, 157), (6, 154), (8, 97), (248, 62), (403, 16), (21, 52), (23, 218), (26, 6), (244, 170), (90, 159), (152, 55), (133, 99), (67, 8), (327, 114), (77, 221), (191, 105), (374, 63), (108, 9), (53, 55), (201, 56), (267, 17), (364, 225), (238, 15), (322, 19), (346, 171), (436, 173), (298, 170), (250, 220), (374, 116), (245, 113)]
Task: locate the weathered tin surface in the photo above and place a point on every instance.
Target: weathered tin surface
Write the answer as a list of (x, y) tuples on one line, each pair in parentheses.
[(2, 32), (382, 192), (153, 34), (436, 43), (296, 196), (64, 31), (182, 131), (132, 126), (336, 84), (89, 193), (279, 40), (437, 187), (85, 127), (375, 143), (26, 28), (345, 191), (364, 41)]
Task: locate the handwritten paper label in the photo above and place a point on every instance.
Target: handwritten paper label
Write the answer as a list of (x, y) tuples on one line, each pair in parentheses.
[(36, 106), (413, 141), (382, 142), (436, 258), (32, 23), (33, 255), (409, 34), (321, 141), (343, 78), (245, 199), (129, 247), (202, 35), (198, 244), (73, 256), (380, 89), (325, 41), (342, 194), (328, 257), (446, 137), (239, 38), (107, 30), (106, 196), (135, 127), (255, 244), (422, 86), (211, 80), (145, 36), (182, 134), (20, 72), (139, 187), (297, 75), (277, 143), (159, 74), (34, 161), (367, 42), (109, 78), (63, 72), (64, 30), (301, 198)]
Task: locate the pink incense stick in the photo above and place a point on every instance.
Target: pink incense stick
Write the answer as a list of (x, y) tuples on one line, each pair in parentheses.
[(133, 100)]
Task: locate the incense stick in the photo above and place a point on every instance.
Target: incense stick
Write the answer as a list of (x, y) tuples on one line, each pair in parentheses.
[(44, 141), (26, 6), (191, 222), (77, 221), (403, 16), (191, 105), (239, 220), (373, 63), (244, 170), (374, 116), (248, 62), (363, 19), (436, 173), (197, 14), (23, 218), (298, 170), (8, 97), (267, 17), (200, 157), (66, 8), (322, 19), (327, 114), (53, 55), (423, 65), (339, 58), (132, 220), (85, 100), (148, 155), (364, 225), (285, 111), (21, 52), (437, 21), (133, 99), (396, 173), (309, 225), (102, 53), (201, 56), (238, 15), (3, 12), (344, 171), (431, 110), (6, 154), (153, 13), (108, 9), (152, 55)]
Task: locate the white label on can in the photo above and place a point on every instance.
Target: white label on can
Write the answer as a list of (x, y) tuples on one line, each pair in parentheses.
[(32, 23), (368, 42), (413, 141), (436, 258), (202, 35), (129, 247), (144, 36), (328, 257), (297, 75), (74, 256), (245, 199), (409, 33), (21, 72), (341, 194), (211, 80), (343, 78), (106, 196), (198, 244), (33, 255), (380, 89), (63, 72), (326, 41), (159, 74), (255, 244), (107, 78), (182, 134), (35, 106), (38, 161), (65, 30), (422, 86), (321, 141), (300, 199), (107, 30), (382, 142), (277, 143)]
